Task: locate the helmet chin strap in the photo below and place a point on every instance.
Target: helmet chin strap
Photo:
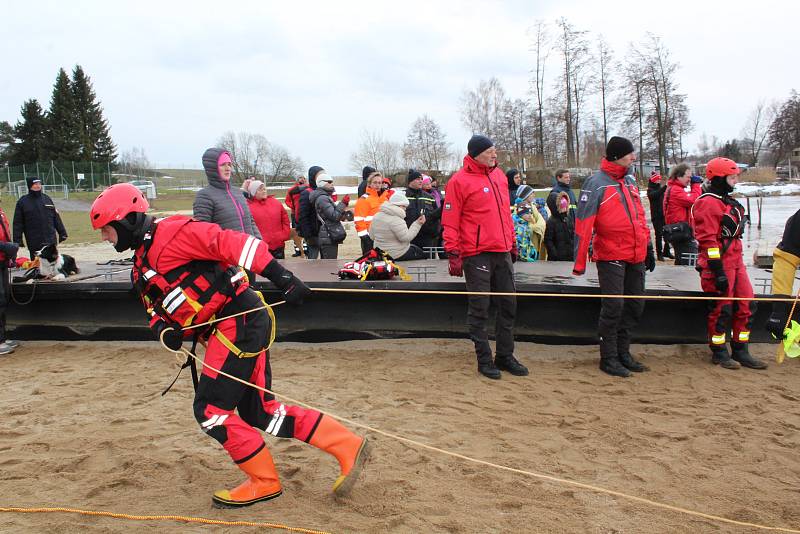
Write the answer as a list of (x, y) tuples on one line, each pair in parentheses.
[(130, 230)]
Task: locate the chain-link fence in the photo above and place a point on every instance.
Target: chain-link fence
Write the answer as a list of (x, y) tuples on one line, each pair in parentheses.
[(60, 175)]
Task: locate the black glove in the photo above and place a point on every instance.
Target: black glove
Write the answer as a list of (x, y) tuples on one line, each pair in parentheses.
[(294, 290), (9, 248), (720, 278), (650, 259), (366, 242), (775, 326), (170, 337)]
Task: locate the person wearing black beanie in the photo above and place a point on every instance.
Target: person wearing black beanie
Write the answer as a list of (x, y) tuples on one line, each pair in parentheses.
[(617, 148), (611, 218), (36, 218), (481, 246), (478, 144)]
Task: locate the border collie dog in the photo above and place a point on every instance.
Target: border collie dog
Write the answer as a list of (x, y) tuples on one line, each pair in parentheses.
[(55, 266)]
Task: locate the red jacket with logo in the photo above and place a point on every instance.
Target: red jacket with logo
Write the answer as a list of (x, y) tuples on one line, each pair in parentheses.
[(271, 219), (611, 210), (678, 203), (476, 217)]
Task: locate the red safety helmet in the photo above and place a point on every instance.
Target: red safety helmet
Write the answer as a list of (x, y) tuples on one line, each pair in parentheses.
[(115, 203), (721, 167)]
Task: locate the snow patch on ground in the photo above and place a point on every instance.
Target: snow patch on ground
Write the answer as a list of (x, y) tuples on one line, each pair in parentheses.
[(752, 189)]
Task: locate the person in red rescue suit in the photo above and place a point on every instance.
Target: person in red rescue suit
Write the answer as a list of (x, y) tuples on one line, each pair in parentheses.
[(611, 217), (187, 272), (270, 217), (677, 205), (718, 221), (480, 244)]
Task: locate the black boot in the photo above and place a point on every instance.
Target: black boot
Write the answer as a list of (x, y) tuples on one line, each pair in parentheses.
[(632, 365), (720, 356), (659, 257), (742, 355), (666, 253), (486, 365), (609, 359), (613, 367), (511, 364)]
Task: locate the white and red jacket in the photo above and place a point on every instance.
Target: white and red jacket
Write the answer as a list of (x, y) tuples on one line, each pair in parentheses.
[(611, 217), (678, 203), (271, 219), (476, 217)]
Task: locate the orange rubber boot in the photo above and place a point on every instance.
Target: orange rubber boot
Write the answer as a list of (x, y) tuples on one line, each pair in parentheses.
[(349, 449), (262, 483)]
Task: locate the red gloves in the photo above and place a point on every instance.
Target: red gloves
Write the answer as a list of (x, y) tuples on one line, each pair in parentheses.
[(454, 263), (346, 200), (514, 253)]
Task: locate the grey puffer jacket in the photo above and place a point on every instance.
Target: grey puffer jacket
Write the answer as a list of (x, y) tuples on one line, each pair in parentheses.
[(330, 213), (221, 203)]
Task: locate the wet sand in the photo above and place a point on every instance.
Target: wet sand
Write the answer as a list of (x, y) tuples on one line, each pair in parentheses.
[(85, 426)]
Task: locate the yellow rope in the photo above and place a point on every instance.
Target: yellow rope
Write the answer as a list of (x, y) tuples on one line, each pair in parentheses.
[(779, 355), (550, 478), (184, 519)]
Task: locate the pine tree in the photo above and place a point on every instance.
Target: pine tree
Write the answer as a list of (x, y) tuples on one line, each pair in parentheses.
[(31, 134), (94, 137), (7, 142), (63, 143)]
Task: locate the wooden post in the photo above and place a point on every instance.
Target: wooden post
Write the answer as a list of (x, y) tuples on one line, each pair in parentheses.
[(748, 210)]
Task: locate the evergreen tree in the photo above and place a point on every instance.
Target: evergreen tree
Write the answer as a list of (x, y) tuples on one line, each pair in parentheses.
[(7, 142), (63, 143), (94, 138), (31, 134)]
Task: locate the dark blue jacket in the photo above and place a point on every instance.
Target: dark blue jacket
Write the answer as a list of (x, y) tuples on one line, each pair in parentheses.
[(36, 218)]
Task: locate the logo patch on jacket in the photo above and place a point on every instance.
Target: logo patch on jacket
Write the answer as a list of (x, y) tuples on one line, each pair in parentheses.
[(584, 197), (447, 205), (485, 189)]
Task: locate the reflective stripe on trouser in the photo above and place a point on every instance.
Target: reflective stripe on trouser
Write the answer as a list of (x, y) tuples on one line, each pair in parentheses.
[(231, 412), (619, 316), (490, 271), (726, 315)]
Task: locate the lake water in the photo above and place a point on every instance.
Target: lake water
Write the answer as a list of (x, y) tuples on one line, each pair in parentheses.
[(774, 213)]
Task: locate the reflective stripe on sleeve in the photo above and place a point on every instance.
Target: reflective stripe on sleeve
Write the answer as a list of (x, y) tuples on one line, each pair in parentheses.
[(363, 232), (246, 250)]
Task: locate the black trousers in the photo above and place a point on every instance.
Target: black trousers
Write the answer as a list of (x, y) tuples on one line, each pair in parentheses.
[(684, 247), (491, 271), (312, 248), (329, 252), (619, 316), (662, 245), (413, 253), (5, 295)]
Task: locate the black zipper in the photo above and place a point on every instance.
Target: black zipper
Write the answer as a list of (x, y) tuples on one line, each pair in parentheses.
[(497, 203), (478, 237)]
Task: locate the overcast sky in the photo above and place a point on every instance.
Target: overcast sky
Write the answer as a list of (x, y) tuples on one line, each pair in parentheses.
[(311, 76)]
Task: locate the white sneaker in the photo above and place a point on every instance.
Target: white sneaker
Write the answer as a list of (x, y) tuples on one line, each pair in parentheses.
[(5, 348), (13, 343)]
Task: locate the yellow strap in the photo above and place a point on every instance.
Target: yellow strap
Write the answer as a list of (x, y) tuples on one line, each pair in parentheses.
[(240, 353)]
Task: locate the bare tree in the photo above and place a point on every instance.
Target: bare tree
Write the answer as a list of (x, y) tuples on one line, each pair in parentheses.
[(426, 146), (573, 48), (376, 151), (280, 164), (482, 107), (784, 132), (134, 162), (604, 66), (541, 47), (756, 130)]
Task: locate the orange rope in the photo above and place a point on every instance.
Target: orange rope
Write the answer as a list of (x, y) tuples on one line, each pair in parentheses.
[(181, 518)]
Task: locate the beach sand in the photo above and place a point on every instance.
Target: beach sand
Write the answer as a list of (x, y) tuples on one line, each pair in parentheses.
[(85, 426)]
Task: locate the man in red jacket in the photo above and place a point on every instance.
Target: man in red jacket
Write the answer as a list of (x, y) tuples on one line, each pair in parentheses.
[(480, 244), (187, 272), (611, 217)]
